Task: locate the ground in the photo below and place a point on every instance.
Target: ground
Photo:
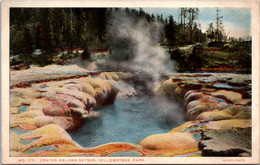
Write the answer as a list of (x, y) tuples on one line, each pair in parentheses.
[(48, 102)]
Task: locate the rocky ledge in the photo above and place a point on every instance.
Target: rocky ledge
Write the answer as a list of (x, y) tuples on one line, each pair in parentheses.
[(41, 113), (218, 107)]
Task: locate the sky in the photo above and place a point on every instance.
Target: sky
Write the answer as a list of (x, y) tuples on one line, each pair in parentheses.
[(236, 21)]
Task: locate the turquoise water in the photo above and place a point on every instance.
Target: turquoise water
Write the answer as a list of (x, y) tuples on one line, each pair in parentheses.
[(189, 154), (45, 148), (196, 135), (18, 131), (223, 86), (122, 154), (128, 120), (22, 109), (43, 86), (27, 141)]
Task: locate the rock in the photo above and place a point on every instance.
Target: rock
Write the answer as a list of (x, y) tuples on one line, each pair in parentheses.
[(173, 141), (228, 142), (204, 104), (64, 103), (14, 144), (75, 103), (180, 92), (231, 112), (240, 79), (21, 66), (13, 110), (87, 88), (37, 104), (49, 72), (109, 76), (28, 114), (104, 97), (74, 87), (194, 112), (85, 98), (191, 96), (228, 124), (114, 76), (234, 97), (166, 88), (188, 93), (48, 135), (55, 108), (93, 114), (125, 75), (214, 115), (191, 84), (193, 104), (125, 90), (58, 106), (30, 122), (23, 93), (105, 76), (66, 111), (182, 127)]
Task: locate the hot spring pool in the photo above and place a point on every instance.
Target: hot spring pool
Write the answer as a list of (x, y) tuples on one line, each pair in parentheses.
[(128, 120)]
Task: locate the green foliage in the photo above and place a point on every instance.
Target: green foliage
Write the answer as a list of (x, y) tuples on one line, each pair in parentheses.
[(16, 41), (217, 44), (210, 32), (237, 57), (170, 30), (193, 14), (187, 60), (242, 52), (217, 33), (190, 31), (178, 56), (53, 29), (27, 43), (64, 27), (50, 31), (44, 59)]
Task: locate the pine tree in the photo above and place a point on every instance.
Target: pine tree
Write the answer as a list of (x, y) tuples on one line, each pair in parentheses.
[(27, 43), (210, 32), (170, 30), (193, 14), (45, 32), (59, 25), (50, 31)]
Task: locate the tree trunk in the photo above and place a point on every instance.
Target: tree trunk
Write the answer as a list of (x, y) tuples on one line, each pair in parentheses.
[(191, 26)]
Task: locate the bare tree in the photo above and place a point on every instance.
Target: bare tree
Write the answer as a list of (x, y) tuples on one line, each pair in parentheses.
[(219, 26)]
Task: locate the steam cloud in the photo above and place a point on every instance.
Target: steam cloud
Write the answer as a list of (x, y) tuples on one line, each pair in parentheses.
[(135, 46), (170, 112), (135, 43)]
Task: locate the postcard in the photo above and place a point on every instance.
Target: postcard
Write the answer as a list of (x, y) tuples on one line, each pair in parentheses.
[(130, 82)]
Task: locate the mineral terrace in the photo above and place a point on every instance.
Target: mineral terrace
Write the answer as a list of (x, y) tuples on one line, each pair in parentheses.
[(48, 102)]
